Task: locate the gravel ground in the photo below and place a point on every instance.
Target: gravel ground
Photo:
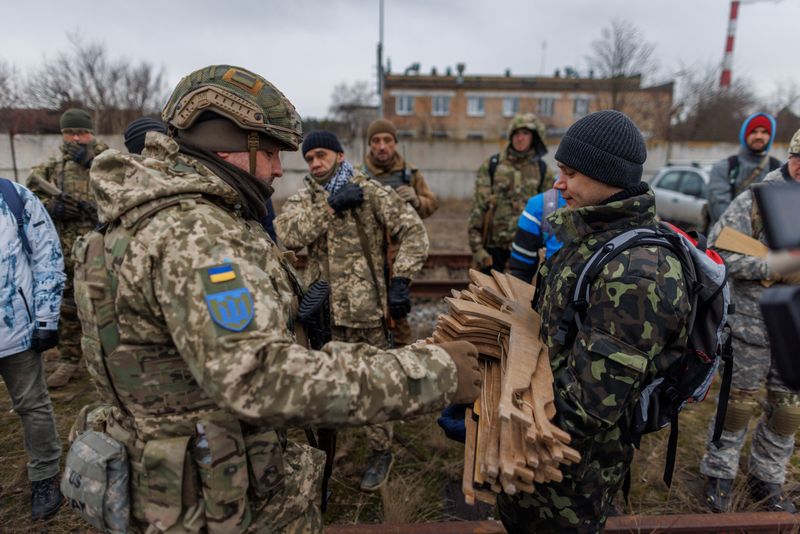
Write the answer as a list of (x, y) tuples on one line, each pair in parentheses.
[(423, 316)]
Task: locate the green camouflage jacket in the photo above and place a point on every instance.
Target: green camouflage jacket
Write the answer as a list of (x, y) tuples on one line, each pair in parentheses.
[(515, 181), (634, 326), (207, 362), (334, 246)]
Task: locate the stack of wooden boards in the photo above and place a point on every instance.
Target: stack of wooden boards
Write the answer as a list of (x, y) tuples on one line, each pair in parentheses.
[(511, 442)]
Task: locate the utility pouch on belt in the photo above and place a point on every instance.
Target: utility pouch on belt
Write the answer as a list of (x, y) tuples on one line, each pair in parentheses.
[(95, 481)]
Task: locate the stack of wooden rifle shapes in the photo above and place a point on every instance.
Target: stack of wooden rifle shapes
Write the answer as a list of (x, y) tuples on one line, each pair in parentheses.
[(511, 442)]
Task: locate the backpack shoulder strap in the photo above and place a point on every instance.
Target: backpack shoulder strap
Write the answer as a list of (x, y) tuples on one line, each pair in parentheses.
[(579, 301), (549, 206), (13, 200), (493, 162), (542, 173)]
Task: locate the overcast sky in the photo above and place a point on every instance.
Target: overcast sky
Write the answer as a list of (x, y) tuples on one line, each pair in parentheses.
[(307, 47)]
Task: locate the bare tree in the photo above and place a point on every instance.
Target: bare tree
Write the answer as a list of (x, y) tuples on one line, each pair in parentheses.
[(116, 89), (620, 54), (706, 112), (355, 106), (9, 85), (784, 104)]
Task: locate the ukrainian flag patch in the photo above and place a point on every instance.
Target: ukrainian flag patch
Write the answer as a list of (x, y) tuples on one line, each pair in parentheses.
[(221, 273)]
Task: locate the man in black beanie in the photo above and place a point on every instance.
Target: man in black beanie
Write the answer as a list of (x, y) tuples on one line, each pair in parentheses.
[(633, 328), (344, 217)]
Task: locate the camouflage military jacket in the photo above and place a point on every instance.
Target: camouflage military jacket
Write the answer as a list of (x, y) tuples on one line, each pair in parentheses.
[(207, 361), (335, 251), (515, 181), (634, 326), (745, 273), (402, 172), (69, 177)]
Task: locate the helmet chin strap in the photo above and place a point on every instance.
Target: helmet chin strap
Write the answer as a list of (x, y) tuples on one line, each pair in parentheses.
[(252, 147)]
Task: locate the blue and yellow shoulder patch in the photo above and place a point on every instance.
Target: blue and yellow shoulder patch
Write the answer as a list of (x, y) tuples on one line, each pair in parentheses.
[(229, 302)]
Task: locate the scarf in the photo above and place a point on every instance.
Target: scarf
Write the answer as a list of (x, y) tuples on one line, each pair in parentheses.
[(252, 192), (338, 176), (515, 156), (377, 167)]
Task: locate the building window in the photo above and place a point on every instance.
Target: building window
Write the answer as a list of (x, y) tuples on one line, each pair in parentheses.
[(545, 107), (405, 134), (404, 105), (440, 134), (441, 106), (476, 135), (475, 106), (581, 107), (510, 106)]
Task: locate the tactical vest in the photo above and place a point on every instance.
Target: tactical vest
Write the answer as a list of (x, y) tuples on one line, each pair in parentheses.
[(394, 180), (191, 461)]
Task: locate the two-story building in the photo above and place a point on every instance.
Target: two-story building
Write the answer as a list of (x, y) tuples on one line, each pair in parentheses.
[(480, 107)]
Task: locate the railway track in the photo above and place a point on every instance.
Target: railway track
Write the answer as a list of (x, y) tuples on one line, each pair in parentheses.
[(745, 522), (441, 273)]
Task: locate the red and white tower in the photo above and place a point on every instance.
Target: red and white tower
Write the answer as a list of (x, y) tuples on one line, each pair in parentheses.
[(727, 60)]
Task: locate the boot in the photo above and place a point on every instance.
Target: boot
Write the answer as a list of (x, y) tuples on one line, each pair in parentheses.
[(46, 498), (62, 375), (718, 493), (770, 495), (379, 465)]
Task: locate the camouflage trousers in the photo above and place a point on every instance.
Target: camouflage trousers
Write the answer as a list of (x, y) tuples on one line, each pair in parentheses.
[(295, 510), (770, 452), (401, 333), (69, 326), (579, 503), (379, 436)]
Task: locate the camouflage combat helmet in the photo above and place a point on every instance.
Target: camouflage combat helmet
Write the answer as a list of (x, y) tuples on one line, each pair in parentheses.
[(526, 120), (242, 96), (794, 144)]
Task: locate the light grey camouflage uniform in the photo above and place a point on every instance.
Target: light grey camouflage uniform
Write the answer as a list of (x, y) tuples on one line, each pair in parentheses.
[(335, 254), (752, 367), (204, 401)]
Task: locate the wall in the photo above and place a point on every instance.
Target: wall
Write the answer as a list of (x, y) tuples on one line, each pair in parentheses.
[(448, 165)]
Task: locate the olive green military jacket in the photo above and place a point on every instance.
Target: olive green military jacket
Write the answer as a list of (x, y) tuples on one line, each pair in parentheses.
[(205, 305), (335, 250)]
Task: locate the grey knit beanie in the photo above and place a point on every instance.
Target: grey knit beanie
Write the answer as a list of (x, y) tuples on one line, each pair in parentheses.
[(605, 146)]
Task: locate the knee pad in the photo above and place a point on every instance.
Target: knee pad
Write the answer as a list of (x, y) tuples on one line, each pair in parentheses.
[(741, 405), (784, 417)]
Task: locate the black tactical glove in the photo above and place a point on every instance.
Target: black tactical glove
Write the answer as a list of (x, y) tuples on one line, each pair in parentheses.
[(64, 208), (88, 210), (314, 314), (349, 196), (78, 153), (399, 297), (41, 340)]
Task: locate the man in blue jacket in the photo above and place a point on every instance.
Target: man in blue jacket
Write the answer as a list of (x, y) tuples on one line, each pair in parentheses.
[(31, 285), (533, 233)]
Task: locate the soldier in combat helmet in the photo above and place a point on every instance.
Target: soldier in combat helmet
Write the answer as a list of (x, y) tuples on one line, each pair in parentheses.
[(197, 355), (62, 184), (505, 183)]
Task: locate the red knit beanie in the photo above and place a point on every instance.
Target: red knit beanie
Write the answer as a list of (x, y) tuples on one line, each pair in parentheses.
[(759, 120)]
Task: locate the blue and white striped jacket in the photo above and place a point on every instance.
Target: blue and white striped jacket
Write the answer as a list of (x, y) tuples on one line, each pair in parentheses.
[(30, 286), (533, 233)]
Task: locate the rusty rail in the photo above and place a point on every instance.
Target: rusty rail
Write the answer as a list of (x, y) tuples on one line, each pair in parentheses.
[(436, 288), (747, 522)]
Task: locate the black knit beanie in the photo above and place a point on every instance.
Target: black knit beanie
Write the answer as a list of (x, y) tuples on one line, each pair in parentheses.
[(321, 139), (605, 146), (136, 131)]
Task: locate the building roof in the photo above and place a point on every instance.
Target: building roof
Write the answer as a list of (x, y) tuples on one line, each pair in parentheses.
[(516, 83)]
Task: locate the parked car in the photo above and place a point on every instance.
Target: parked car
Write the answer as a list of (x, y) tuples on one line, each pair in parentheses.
[(681, 195)]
